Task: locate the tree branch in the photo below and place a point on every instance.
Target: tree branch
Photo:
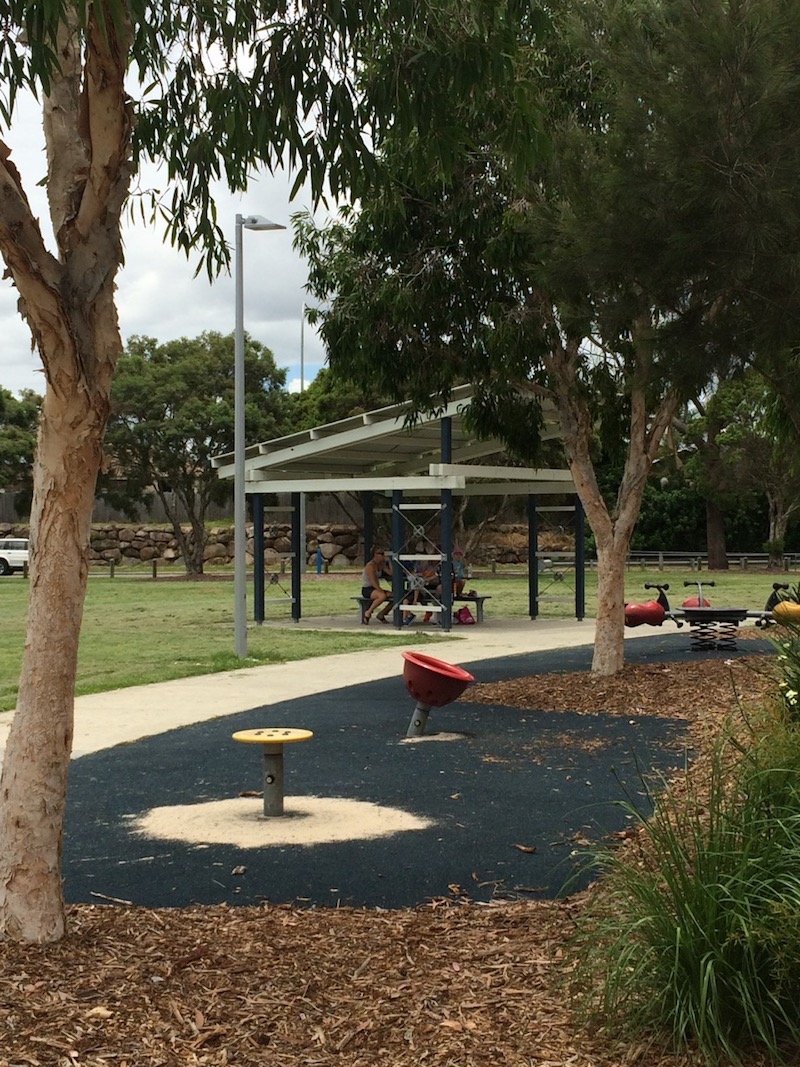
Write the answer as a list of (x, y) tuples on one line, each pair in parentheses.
[(65, 133), (36, 273)]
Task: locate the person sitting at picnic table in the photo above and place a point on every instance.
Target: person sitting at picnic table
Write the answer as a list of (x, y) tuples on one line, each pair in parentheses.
[(371, 589), (458, 576), (425, 577), (459, 571)]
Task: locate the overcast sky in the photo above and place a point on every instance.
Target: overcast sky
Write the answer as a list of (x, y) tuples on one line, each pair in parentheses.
[(157, 293)]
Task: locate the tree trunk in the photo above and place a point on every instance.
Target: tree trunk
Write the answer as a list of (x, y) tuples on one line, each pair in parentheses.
[(188, 551), (779, 515), (612, 529), (609, 653), (199, 541), (34, 776), (68, 302), (715, 537), (612, 533)]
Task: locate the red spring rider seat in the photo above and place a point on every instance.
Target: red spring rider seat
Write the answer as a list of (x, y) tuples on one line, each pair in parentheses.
[(651, 613)]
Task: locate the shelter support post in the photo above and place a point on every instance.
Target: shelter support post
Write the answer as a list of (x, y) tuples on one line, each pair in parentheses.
[(298, 547), (447, 562), (397, 548), (303, 542), (446, 528), (533, 557), (258, 557), (367, 506)]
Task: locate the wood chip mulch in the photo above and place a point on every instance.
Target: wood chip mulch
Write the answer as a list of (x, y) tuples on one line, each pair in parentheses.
[(704, 693), (448, 984)]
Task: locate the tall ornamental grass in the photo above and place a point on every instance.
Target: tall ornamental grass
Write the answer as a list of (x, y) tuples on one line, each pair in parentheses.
[(694, 936)]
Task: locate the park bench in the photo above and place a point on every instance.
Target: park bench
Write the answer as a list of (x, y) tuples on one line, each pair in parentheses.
[(422, 609)]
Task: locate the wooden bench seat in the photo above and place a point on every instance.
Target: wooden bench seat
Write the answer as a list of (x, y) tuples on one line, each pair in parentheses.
[(465, 598)]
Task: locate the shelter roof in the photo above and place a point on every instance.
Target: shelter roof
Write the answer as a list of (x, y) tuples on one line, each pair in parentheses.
[(382, 450)]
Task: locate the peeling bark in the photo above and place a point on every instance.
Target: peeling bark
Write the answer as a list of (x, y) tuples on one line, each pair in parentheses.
[(34, 779), (68, 303)]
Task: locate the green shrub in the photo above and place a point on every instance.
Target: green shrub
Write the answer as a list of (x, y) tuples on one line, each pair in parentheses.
[(787, 645), (698, 939)]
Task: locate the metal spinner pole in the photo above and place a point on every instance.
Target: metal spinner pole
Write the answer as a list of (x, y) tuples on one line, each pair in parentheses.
[(419, 720)]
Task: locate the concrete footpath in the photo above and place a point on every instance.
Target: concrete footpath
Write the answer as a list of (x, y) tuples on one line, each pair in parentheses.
[(103, 720)]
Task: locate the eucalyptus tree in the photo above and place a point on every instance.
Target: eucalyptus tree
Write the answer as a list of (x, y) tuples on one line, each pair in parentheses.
[(172, 410), (695, 446), (758, 446), (617, 276), (212, 90)]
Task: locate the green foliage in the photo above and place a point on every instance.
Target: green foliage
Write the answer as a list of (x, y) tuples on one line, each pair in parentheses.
[(715, 88), (222, 89), (699, 941), (19, 419), (329, 398), (787, 643), (172, 411), (616, 238), (671, 520)]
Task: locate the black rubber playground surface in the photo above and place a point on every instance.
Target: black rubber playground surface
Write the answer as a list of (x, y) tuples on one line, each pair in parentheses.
[(549, 782)]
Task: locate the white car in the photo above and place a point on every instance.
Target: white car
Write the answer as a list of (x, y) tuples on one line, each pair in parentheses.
[(13, 554)]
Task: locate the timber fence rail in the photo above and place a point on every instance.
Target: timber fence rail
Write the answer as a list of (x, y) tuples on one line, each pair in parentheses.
[(698, 561)]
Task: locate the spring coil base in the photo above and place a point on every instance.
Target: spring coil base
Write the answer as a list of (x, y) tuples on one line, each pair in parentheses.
[(709, 635)]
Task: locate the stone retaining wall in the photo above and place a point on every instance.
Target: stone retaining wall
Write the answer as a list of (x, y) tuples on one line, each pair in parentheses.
[(121, 543)]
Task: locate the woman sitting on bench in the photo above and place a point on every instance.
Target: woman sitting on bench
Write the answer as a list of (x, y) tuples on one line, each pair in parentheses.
[(371, 589)]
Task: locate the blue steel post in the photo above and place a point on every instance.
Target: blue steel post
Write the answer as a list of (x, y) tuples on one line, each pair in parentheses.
[(446, 527), (533, 557), (397, 548), (580, 560), (298, 547), (257, 500), (369, 525)]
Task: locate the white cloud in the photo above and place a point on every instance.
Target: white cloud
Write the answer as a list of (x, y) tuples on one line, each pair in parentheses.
[(158, 294)]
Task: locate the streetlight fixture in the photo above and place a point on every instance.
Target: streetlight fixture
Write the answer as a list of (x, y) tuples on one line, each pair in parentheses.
[(247, 222)]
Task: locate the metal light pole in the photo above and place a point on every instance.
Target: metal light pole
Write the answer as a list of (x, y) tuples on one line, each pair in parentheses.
[(302, 348), (248, 222)]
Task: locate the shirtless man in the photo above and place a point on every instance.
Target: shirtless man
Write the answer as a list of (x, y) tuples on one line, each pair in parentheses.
[(371, 588)]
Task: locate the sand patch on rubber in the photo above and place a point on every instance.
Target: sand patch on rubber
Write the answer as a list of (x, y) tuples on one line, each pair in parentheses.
[(240, 821)]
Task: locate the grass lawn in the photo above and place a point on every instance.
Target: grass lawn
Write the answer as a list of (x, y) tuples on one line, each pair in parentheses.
[(137, 630)]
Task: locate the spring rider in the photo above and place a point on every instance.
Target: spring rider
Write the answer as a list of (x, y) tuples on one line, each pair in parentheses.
[(433, 683), (651, 612)]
